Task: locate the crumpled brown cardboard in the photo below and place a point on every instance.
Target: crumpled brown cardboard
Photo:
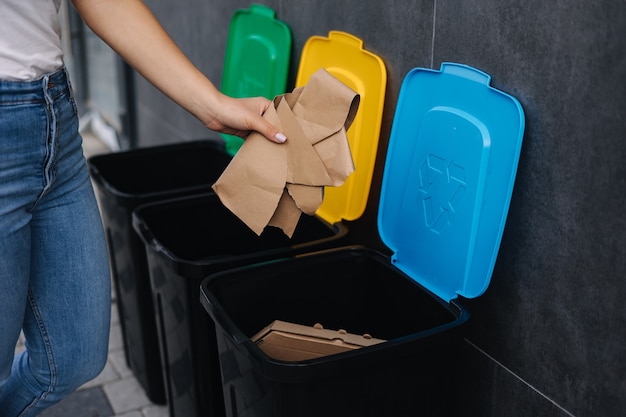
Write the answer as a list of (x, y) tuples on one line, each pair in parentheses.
[(272, 184)]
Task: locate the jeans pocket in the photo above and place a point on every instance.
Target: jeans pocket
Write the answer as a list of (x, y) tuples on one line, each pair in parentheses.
[(72, 101)]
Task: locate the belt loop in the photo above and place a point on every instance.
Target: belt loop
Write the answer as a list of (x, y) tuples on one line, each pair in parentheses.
[(69, 83)]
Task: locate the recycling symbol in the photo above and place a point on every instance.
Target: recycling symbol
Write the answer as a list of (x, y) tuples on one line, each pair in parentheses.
[(442, 187)]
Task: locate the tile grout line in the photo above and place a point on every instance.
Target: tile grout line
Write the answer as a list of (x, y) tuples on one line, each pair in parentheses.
[(501, 365), (432, 42)]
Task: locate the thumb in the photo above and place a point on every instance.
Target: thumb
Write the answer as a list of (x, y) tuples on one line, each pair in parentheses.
[(270, 131)]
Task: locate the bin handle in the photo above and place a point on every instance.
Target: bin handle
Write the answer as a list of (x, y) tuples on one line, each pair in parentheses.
[(95, 174), (144, 231), (218, 315)]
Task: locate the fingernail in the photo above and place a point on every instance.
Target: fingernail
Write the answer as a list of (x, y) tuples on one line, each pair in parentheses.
[(280, 137)]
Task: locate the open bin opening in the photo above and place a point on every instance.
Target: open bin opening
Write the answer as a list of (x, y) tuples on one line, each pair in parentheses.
[(201, 231), (356, 290), (160, 169)]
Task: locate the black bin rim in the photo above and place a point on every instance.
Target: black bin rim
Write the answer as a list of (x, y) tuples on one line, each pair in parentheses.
[(153, 244), (97, 175)]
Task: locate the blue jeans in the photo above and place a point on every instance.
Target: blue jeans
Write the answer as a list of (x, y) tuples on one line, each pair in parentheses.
[(54, 271)]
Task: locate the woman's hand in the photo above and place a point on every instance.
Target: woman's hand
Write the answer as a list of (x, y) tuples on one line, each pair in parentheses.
[(240, 116)]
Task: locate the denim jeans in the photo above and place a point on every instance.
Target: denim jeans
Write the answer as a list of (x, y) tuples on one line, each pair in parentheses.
[(54, 271)]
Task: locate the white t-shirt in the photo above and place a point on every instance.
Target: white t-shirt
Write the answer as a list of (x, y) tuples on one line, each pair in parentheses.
[(30, 39)]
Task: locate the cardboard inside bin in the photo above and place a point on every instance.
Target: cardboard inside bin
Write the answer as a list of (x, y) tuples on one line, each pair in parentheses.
[(295, 342)]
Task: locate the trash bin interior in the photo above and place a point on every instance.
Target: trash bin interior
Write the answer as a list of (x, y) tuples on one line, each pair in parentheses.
[(353, 289), (201, 229), (161, 168)]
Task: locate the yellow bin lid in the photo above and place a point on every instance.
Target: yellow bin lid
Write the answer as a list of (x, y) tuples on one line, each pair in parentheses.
[(343, 56)]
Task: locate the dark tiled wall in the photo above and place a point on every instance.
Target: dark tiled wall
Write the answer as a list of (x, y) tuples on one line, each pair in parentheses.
[(548, 337)]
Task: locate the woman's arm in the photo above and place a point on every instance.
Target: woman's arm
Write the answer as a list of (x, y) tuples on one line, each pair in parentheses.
[(131, 30)]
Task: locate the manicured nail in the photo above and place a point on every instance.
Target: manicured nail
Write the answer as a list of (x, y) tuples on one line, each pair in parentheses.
[(280, 137)]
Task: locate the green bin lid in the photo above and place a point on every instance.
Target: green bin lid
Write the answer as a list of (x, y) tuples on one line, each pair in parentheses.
[(257, 58)]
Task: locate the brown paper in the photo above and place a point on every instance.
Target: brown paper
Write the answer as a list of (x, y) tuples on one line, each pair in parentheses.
[(272, 184)]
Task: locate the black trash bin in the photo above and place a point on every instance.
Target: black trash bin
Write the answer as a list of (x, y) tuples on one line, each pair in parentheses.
[(448, 180), (187, 239), (123, 181), (354, 289)]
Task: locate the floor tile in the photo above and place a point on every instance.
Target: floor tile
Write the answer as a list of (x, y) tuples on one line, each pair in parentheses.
[(115, 317), (108, 374), (126, 395), (130, 414), (118, 360), (84, 403), (156, 411), (19, 348), (116, 342)]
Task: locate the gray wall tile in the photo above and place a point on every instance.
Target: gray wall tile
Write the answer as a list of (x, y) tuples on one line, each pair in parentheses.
[(553, 313)]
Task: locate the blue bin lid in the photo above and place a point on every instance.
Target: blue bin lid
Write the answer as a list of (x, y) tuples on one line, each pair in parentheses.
[(448, 179)]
